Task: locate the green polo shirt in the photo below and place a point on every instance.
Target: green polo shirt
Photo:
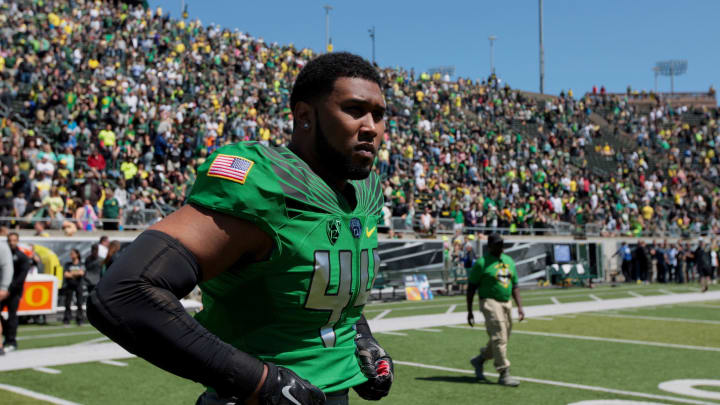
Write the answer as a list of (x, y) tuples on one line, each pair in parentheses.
[(495, 277)]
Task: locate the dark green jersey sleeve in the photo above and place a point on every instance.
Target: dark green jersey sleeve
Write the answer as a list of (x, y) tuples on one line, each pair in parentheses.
[(238, 180)]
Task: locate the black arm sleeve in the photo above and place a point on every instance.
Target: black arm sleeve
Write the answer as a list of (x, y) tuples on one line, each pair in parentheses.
[(137, 305)]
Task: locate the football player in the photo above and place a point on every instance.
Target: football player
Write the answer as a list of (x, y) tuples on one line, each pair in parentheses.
[(283, 243)]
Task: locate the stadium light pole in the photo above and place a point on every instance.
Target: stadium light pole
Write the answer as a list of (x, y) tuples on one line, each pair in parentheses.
[(656, 70), (672, 68), (492, 39), (371, 31), (542, 50), (327, 26)]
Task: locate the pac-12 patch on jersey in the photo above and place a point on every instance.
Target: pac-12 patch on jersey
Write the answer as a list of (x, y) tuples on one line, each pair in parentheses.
[(230, 167)]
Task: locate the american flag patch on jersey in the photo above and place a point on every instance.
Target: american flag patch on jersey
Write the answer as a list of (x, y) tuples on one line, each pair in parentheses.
[(230, 167)]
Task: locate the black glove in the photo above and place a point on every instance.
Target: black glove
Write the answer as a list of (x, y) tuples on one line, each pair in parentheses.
[(283, 387), (376, 366)]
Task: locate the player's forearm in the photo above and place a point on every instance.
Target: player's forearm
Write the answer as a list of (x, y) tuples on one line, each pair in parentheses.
[(470, 296), (516, 297), (137, 305)]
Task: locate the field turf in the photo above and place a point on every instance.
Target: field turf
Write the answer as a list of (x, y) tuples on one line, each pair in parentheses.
[(621, 355)]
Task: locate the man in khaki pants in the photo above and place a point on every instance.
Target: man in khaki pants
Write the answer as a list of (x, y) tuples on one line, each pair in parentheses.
[(494, 277)]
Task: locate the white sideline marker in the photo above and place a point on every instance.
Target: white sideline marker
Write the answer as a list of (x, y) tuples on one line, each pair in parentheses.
[(654, 318), (36, 395), (47, 370), (595, 297), (428, 330), (634, 294), (394, 333), (54, 335), (601, 339), (382, 314), (114, 363), (662, 290), (451, 309), (566, 316), (555, 300), (614, 340), (565, 384), (91, 341)]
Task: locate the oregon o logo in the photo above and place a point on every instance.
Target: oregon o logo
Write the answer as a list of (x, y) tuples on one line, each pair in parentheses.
[(35, 290)]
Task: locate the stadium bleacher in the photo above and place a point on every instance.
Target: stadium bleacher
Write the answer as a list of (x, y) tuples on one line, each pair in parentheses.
[(155, 96)]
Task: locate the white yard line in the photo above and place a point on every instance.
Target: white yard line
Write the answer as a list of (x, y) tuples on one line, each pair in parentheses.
[(47, 370), (382, 314), (634, 294), (566, 316), (699, 305), (613, 340), (394, 333), (555, 300), (114, 363), (662, 290), (36, 395), (565, 384), (91, 341), (451, 309), (428, 330), (456, 318), (656, 318), (407, 308), (477, 325), (39, 328), (595, 297), (54, 335)]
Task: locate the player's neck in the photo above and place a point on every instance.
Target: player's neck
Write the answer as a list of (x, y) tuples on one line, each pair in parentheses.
[(330, 177)]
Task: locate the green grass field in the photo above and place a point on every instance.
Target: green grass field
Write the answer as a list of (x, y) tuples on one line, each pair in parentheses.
[(622, 355)]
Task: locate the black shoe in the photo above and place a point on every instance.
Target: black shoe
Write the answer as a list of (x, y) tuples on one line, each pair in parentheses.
[(477, 362), (66, 322), (79, 322), (2, 351)]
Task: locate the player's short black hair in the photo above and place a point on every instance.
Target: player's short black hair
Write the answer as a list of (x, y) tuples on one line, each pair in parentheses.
[(318, 77)]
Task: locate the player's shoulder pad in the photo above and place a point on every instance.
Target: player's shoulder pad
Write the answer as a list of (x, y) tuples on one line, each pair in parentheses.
[(238, 180)]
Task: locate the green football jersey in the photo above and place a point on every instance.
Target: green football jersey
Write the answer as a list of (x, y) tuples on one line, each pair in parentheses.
[(298, 309)]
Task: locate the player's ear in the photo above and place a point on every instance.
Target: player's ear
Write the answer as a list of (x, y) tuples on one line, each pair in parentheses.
[(304, 117)]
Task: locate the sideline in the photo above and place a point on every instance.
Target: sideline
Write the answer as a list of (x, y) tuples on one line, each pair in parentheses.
[(656, 318), (36, 395), (55, 335), (55, 356), (550, 310), (564, 384), (601, 339)]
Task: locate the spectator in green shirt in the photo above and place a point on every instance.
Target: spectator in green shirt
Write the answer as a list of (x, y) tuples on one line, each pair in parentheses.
[(111, 211), (495, 279)]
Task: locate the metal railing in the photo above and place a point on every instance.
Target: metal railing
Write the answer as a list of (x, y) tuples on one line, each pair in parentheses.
[(446, 226), (132, 219)]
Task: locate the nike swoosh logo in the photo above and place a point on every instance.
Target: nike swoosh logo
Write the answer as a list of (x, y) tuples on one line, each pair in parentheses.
[(369, 232), (286, 393)]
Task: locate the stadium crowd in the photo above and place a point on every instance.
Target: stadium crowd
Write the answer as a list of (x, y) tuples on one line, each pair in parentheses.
[(110, 108)]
